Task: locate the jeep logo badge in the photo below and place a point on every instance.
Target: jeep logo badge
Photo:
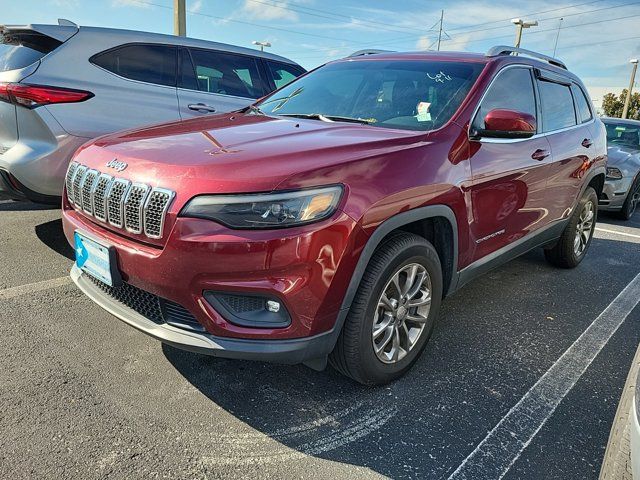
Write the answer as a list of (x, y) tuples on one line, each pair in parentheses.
[(116, 165)]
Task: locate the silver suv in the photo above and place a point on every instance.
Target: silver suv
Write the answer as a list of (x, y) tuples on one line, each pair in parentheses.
[(61, 85)]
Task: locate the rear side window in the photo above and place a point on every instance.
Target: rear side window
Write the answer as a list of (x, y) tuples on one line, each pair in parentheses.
[(511, 90), (222, 73), (557, 106), (145, 63), (21, 49), (584, 111), (281, 73)]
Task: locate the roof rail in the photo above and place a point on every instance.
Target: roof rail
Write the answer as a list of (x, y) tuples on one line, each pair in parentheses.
[(370, 51), (507, 50)]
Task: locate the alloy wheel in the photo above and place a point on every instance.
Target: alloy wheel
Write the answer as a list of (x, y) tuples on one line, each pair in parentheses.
[(584, 228), (402, 313)]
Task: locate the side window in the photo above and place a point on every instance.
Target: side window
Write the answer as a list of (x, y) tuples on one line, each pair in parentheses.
[(511, 90), (558, 110), (227, 74), (146, 63), (281, 73), (584, 111), (186, 72)]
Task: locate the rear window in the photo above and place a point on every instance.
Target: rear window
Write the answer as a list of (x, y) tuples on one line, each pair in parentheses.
[(145, 63), (558, 110), (21, 49), (283, 73)]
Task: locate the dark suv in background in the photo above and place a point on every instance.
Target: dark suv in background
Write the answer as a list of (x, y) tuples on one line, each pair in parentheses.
[(61, 85), (330, 219)]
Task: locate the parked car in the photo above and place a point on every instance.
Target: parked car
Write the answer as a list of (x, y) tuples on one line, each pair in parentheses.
[(331, 218), (621, 192), (61, 85)]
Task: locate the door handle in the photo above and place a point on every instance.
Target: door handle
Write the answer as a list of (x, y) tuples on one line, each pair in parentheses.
[(586, 143), (201, 107), (540, 154)]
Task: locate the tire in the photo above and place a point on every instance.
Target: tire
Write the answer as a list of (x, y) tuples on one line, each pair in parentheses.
[(631, 202), (354, 354), (566, 253)]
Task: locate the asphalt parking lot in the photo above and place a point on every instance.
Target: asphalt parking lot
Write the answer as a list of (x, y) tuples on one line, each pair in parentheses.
[(82, 395)]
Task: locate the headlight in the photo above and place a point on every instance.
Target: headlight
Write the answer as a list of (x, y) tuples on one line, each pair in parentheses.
[(614, 173), (270, 210)]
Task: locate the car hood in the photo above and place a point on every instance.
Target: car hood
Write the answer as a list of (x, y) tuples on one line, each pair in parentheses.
[(625, 158), (235, 153)]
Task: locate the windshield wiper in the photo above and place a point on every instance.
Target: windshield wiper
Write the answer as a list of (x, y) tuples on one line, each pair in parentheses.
[(252, 109), (330, 118)]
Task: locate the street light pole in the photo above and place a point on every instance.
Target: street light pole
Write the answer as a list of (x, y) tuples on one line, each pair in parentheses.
[(520, 24), (627, 100), (179, 18)]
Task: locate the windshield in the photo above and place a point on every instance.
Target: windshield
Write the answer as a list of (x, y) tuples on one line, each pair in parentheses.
[(626, 134), (20, 50), (411, 95)]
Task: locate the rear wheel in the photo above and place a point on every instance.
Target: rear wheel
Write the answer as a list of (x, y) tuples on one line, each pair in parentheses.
[(393, 313), (631, 202), (572, 246)]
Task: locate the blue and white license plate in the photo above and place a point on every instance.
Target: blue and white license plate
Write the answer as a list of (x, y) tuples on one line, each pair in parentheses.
[(93, 258)]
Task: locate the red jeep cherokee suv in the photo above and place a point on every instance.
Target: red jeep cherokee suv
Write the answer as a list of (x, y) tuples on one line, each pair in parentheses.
[(328, 220)]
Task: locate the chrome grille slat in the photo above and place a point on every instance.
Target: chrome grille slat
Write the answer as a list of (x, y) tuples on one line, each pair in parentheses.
[(69, 179), (100, 196), (136, 207), (155, 211), (133, 204), (115, 202), (78, 177), (87, 190)]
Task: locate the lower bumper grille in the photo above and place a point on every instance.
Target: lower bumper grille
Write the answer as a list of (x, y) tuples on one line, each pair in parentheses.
[(157, 309)]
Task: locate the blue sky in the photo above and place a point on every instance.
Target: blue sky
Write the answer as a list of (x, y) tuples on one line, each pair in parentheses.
[(597, 38)]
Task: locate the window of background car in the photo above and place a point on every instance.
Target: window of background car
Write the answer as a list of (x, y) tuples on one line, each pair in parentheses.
[(512, 89), (558, 110), (584, 111), (145, 63), (223, 73), (410, 95), (625, 134), (19, 50), (283, 73)]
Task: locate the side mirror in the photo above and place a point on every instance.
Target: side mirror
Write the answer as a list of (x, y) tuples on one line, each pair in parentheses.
[(500, 123)]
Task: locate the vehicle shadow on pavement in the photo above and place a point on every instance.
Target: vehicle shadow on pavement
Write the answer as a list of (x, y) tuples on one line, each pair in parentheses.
[(25, 207), (52, 235), (494, 339)]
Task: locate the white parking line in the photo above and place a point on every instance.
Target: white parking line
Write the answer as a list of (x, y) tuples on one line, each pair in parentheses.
[(12, 292), (503, 445), (616, 232)]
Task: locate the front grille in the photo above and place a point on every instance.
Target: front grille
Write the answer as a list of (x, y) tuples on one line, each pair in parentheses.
[(150, 306), (133, 207), (77, 182), (136, 207), (69, 179), (87, 189)]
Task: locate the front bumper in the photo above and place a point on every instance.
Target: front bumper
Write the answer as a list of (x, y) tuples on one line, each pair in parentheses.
[(292, 351), (614, 193)]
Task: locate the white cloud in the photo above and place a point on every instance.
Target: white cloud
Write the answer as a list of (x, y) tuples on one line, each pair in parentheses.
[(65, 3), (269, 10), (195, 6), (129, 3)]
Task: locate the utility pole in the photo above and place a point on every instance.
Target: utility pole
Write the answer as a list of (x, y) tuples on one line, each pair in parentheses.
[(179, 18), (520, 24), (440, 31), (627, 100), (555, 45)]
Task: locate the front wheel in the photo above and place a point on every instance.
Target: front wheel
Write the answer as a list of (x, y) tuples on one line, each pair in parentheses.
[(631, 202), (393, 313), (576, 238)]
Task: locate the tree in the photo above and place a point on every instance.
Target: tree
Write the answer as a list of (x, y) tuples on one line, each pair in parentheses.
[(613, 105)]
